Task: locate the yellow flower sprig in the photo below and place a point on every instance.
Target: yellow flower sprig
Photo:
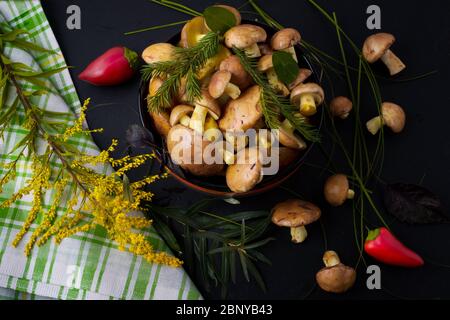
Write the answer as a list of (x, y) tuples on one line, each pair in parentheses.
[(83, 195)]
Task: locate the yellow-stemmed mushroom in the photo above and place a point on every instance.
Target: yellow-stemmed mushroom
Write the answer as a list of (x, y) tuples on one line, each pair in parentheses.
[(308, 97), (246, 37), (286, 40), (204, 106)]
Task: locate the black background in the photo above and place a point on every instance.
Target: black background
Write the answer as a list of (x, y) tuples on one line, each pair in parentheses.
[(420, 154)]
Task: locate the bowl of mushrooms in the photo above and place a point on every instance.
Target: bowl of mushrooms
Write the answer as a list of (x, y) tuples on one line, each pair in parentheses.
[(228, 103)]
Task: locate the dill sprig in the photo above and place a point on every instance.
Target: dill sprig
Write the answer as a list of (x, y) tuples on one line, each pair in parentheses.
[(186, 64), (273, 104)]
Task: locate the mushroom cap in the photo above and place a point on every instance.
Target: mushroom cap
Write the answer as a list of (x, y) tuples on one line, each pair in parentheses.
[(265, 63), (153, 87), (246, 173), (244, 36), (239, 76), (291, 140), (210, 103), (285, 38), (243, 113), (341, 107), (183, 139), (295, 213), (307, 88), (159, 52), (191, 30), (218, 83), (303, 74), (161, 122), (393, 116), (376, 46), (337, 279), (233, 10), (179, 112), (336, 190)]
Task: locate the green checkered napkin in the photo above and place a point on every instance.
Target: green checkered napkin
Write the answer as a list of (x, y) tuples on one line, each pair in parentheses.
[(86, 266)]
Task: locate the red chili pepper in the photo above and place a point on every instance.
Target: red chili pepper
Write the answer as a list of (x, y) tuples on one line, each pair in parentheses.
[(115, 66), (384, 247)]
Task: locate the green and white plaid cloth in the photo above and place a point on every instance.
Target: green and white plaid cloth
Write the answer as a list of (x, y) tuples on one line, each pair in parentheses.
[(86, 266)]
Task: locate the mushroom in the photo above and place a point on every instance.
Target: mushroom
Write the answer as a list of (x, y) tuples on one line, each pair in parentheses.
[(286, 40), (239, 76), (193, 32), (213, 63), (265, 65), (246, 173), (341, 107), (159, 52), (296, 214), (220, 85), (288, 138), (204, 106), (161, 122), (335, 277), (265, 49), (181, 114), (153, 87), (243, 113), (392, 115), (337, 190), (303, 74), (378, 46), (186, 149), (307, 96), (246, 37)]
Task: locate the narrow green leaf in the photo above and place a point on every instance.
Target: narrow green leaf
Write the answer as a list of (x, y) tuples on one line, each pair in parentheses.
[(233, 266), (259, 244), (219, 19), (256, 274), (12, 35), (26, 45), (259, 256), (126, 188), (164, 231), (244, 265), (285, 66)]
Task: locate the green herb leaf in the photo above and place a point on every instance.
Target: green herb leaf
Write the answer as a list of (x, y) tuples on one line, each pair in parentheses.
[(285, 66), (219, 19)]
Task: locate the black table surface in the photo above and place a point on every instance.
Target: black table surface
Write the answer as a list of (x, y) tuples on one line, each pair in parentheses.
[(420, 154)]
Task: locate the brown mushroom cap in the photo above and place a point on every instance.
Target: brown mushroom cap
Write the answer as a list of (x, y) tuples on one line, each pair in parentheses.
[(246, 173), (239, 76), (209, 103), (376, 46), (233, 10), (243, 113), (291, 140), (161, 122), (307, 88), (287, 156), (295, 213), (265, 63), (285, 38), (303, 74), (244, 36), (393, 116), (159, 52), (336, 190), (182, 139), (337, 279), (218, 83), (153, 87), (341, 107), (179, 112)]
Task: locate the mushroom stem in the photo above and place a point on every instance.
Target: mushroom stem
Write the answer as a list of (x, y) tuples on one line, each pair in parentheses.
[(350, 194), (375, 125), (394, 64), (185, 121), (232, 91), (331, 259), (299, 234), (212, 131), (308, 105), (198, 119), (253, 51), (276, 84), (291, 50)]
